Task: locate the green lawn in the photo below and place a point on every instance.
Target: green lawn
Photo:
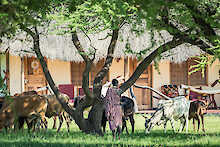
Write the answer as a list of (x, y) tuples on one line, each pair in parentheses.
[(156, 138)]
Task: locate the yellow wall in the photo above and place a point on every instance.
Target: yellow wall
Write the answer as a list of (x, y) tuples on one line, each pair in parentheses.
[(60, 71), (212, 76), (159, 79), (117, 69), (15, 74), (3, 64), (164, 78)]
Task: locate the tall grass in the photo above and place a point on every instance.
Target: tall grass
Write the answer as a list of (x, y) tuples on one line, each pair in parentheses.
[(156, 137)]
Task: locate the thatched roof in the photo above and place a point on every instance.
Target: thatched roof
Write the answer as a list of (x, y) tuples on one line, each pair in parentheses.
[(61, 47)]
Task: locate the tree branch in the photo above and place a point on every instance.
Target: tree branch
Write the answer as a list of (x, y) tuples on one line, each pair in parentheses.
[(205, 27), (77, 114), (197, 41), (103, 72), (79, 47), (47, 74), (87, 69), (146, 62)]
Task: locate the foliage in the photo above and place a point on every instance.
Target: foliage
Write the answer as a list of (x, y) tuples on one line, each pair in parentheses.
[(188, 21), (25, 12), (157, 137), (93, 16), (3, 87), (204, 60)]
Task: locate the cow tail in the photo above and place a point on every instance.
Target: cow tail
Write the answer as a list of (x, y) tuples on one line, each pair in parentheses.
[(135, 109)]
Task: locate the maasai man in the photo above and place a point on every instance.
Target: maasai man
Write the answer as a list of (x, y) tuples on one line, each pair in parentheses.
[(113, 108)]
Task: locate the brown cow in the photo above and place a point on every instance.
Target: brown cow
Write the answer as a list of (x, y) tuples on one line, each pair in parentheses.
[(196, 111), (55, 109), (26, 93), (30, 107)]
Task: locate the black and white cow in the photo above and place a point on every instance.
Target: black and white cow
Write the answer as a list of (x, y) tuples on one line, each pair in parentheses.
[(175, 109)]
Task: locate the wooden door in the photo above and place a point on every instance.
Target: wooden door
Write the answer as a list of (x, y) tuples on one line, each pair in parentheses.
[(33, 75), (143, 96)]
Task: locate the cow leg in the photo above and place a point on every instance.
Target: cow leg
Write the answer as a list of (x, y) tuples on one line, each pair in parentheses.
[(113, 134), (104, 120), (118, 132), (197, 117), (182, 124), (124, 125), (29, 124), (104, 126), (35, 123), (54, 122), (61, 122), (183, 121), (187, 123), (45, 123), (165, 126), (194, 127), (67, 123), (32, 125), (16, 124), (147, 130), (20, 123), (202, 118), (131, 117), (172, 124)]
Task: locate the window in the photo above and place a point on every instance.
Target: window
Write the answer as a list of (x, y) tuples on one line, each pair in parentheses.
[(77, 71), (179, 74)]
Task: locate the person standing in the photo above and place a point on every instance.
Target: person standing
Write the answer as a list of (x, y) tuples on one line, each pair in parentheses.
[(113, 109)]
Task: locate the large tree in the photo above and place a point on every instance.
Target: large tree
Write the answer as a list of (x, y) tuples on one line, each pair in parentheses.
[(192, 22)]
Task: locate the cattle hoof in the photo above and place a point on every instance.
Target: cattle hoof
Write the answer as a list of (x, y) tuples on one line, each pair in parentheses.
[(147, 132)]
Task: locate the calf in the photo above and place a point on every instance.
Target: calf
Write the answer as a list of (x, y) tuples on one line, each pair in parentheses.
[(127, 105), (175, 109), (55, 109), (26, 93), (29, 107), (196, 111)]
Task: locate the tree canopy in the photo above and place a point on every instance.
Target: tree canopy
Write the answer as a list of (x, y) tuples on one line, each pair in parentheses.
[(25, 12), (189, 21)]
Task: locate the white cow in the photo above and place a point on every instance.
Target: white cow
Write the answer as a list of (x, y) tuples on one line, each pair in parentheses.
[(175, 109)]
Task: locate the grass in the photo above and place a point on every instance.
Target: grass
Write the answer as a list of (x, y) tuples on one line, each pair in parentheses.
[(157, 137)]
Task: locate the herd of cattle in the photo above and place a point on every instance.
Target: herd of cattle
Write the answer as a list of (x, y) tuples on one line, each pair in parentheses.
[(33, 109)]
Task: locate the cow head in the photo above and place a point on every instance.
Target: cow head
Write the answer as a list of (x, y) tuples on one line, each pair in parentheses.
[(2, 120), (6, 119), (203, 106), (155, 119)]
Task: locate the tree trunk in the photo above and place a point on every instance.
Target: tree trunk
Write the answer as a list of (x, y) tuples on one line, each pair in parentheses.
[(146, 62), (95, 116), (84, 124)]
